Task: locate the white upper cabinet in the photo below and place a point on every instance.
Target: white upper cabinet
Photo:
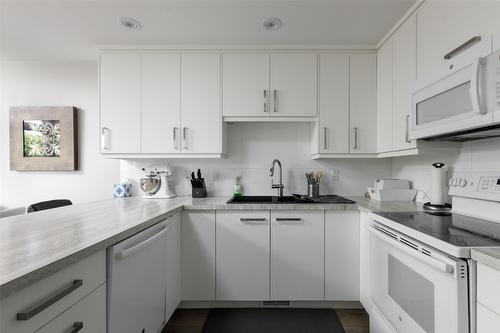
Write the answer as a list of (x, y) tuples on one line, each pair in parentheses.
[(120, 102), (201, 116), (404, 77), (363, 103), (333, 121), (293, 84), (161, 113), (445, 26), (384, 97), (246, 85)]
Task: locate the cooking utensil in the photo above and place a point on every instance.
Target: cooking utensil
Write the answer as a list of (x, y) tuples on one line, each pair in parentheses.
[(199, 174), (319, 174), (313, 176)]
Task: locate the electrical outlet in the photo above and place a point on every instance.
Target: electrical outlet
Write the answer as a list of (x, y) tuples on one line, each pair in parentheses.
[(215, 175), (335, 174)]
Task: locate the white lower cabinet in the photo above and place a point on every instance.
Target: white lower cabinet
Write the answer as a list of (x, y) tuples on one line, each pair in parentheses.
[(198, 255), (174, 281), (86, 316), (487, 320), (29, 309), (364, 261), (242, 265), (342, 255), (297, 255)]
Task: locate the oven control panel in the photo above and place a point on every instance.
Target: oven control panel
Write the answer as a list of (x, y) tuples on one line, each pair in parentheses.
[(478, 185)]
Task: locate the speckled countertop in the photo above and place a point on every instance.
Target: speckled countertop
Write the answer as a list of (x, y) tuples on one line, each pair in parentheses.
[(37, 245), (490, 257)]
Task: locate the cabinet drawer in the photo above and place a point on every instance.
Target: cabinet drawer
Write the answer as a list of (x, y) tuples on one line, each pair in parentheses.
[(488, 293), (46, 299), (86, 316), (487, 320)]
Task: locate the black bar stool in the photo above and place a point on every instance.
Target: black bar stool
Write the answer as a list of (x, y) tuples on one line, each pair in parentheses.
[(48, 205)]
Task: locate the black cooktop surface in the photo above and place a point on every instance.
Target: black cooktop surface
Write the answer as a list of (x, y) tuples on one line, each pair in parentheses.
[(458, 230)]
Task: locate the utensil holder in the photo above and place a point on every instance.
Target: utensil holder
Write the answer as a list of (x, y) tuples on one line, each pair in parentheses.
[(313, 190), (199, 188)]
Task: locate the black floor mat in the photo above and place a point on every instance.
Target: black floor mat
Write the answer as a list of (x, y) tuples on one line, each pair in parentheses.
[(272, 320)]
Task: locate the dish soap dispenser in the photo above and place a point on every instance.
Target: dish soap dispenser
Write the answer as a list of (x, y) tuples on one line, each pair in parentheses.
[(237, 191)]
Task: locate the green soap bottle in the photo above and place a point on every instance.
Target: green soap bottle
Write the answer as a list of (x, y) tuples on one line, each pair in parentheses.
[(237, 188)]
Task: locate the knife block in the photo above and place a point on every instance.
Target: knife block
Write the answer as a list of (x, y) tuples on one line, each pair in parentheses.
[(199, 188)]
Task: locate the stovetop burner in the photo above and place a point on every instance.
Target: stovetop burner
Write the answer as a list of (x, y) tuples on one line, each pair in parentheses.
[(458, 230)]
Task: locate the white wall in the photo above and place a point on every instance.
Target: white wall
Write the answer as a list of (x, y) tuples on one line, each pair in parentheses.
[(251, 149), (44, 83), (474, 155)]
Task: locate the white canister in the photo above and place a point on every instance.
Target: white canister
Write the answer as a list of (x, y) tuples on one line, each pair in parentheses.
[(438, 178)]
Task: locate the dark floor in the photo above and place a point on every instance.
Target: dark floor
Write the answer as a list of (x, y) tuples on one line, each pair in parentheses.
[(192, 320)]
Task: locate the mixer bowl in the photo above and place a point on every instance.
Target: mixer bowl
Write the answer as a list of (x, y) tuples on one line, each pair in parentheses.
[(150, 185)]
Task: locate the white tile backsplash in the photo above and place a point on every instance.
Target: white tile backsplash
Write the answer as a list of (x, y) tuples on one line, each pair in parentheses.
[(251, 149)]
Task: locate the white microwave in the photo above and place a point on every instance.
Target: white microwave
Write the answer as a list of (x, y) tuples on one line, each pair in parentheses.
[(464, 105)]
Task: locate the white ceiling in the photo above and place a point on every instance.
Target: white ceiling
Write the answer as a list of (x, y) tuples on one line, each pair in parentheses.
[(70, 30)]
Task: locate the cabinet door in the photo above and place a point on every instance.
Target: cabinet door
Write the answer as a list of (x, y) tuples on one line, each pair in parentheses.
[(120, 102), (198, 256), (245, 84), (384, 97), (334, 103), (174, 267), (364, 261), (297, 255), (201, 117), (363, 102), (242, 256), (487, 320), (445, 25), (161, 87), (89, 314), (342, 255), (404, 76), (294, 84)]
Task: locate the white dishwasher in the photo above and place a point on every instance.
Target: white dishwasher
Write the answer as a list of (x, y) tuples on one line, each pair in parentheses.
[(137, 281)]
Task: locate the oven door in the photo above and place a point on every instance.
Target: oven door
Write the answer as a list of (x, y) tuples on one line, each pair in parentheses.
[(416, 292), (454, 103)]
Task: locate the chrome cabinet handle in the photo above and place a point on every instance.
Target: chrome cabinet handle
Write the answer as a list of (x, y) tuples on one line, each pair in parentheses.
[(265, 100), (105, 136), (184, 136), (356, 135), (275, 97), (324, 138), (462, 47), (176, 146), (247, 220), (288, 219), (77, 327), (407, 134), (22, 316)]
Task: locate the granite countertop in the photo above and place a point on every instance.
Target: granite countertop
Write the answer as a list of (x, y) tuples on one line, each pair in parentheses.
[(490, 257), (36, 245)]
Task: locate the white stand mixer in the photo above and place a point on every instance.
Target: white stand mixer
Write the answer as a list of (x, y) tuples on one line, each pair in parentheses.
[(157, 184)]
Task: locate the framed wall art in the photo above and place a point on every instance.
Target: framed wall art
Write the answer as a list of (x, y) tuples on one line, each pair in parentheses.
[(43, 138)]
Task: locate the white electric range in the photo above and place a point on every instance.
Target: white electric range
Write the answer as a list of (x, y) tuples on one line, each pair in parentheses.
[(422, 277)]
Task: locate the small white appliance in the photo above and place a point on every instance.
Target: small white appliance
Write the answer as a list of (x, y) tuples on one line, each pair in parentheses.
[(392, 184), (157, 184), (392, 190), (462, 106), (421, 275), (136, 273)]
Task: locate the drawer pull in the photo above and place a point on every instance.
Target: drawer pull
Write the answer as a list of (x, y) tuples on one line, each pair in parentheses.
[(462, 47), (28, 315), (288, 219), (77, 327), (252, 220)]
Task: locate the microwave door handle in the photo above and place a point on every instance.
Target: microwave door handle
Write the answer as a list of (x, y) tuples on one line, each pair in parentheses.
[(475, 86), (436, 263)]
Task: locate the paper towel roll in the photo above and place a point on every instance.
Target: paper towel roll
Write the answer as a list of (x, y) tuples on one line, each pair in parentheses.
[(438, 176)]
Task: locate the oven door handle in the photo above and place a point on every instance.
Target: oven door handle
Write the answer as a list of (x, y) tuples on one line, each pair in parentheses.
[(436, 263)]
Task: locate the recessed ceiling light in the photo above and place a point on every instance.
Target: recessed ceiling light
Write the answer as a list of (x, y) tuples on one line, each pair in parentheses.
[(130, 23), (272, 23)]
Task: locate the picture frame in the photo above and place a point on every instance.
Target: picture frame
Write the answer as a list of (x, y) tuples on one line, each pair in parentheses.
[(43, 138)]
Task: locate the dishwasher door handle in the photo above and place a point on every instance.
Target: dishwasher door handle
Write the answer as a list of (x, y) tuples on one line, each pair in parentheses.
[(138, 247)]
